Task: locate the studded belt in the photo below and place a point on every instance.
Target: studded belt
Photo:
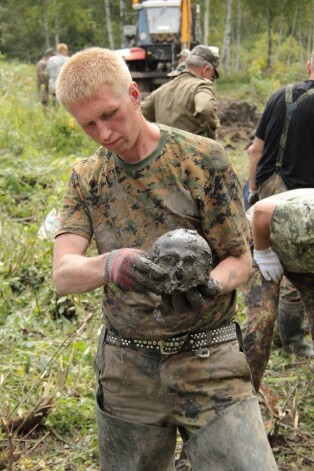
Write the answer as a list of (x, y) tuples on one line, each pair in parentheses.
[(194, 342)]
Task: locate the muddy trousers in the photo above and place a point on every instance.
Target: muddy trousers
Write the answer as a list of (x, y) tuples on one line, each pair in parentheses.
[(143, 397), (290, 307), (235, 440)]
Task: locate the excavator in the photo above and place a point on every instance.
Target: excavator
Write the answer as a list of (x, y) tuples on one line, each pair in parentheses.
[(163, 28)]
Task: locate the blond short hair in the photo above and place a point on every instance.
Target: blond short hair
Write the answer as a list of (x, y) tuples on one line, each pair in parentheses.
[(83, 74), (62, 48)]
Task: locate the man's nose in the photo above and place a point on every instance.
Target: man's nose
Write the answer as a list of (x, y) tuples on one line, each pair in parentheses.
[(104, 132)]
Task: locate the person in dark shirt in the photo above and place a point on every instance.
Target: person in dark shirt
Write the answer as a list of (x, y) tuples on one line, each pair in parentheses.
[(277, 165), (297, 169)]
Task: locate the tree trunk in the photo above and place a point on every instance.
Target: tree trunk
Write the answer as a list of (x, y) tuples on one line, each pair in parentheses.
[(122, 23), (238, 51), (281, 30), (108, 23), (206, 22), (44, 9), (270, 40), (226, 48)]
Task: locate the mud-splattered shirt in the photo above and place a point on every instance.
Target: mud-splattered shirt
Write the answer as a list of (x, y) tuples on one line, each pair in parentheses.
[(187, 182), (292, 229)]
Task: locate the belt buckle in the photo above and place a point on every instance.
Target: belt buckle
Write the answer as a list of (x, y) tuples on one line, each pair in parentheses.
[(201, 352), (162, 347)]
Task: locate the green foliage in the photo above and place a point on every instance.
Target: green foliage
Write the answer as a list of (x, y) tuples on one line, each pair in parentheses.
[(263, 88), (42, 353)]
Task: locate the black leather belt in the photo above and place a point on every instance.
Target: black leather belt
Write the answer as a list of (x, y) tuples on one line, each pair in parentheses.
[(194, 342)]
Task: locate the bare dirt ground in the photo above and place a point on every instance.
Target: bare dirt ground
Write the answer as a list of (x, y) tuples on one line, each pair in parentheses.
[(238, 120)]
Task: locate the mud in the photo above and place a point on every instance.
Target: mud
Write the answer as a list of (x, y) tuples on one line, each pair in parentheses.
[(186, 256), (238, 120)]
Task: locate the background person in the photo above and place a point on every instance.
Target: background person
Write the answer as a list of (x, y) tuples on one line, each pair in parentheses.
[(181, 63), (281, 158), (188, 101), (145, 180), (283, 235), (54, 66), (42, 76)]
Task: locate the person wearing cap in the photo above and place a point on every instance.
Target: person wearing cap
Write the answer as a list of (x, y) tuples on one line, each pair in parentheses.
[(181, 63), (188, 101), (42, 76), (54, 66)]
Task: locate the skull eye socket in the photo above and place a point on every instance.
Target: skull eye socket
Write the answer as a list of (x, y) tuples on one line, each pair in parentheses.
[(189, 259), (169, 259)]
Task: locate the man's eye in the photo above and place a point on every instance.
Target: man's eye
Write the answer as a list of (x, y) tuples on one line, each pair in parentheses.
[(107, 116)]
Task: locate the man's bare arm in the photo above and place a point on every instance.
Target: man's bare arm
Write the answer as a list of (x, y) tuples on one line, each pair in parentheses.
[(267, 260), (255, 152), (262, 214), (73, 272), (233, 272)]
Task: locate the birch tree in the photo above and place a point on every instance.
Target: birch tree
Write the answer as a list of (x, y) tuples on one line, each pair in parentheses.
[(206, 21), (109, 24), (122, 22), (237, 61), (226, 48)]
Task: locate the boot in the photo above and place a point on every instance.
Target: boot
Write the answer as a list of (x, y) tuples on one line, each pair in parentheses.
[(291, 329)]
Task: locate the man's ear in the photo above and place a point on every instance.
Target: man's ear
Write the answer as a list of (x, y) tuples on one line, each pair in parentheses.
[(135, 93), (309, 68)]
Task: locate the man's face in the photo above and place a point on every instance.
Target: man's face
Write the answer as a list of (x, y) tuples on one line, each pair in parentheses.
[(111, 119)]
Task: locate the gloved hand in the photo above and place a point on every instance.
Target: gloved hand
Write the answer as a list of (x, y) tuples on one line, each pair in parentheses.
[(252, 198), (132, 270), (269, 264), (196, 299)]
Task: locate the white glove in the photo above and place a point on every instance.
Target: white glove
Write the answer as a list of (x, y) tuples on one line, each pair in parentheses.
[(269, 264)]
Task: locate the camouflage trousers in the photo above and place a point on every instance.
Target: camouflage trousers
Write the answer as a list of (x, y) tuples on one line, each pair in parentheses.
[(43, 94), (261, 298)]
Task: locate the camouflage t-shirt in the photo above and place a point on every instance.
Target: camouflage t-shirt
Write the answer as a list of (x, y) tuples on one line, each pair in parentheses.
[(292, 229), (187, 182)]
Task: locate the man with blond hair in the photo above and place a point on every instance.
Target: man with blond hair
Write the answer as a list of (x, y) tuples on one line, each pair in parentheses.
[(157, 369), (54, 66)]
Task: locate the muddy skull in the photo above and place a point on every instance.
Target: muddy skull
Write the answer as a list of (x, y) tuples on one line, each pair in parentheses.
[(186, 256)]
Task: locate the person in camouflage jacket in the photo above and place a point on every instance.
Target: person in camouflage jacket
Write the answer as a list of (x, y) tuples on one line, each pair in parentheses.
[(283, 233)]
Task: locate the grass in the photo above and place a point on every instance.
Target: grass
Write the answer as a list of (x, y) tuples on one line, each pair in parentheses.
[(47, 343)]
